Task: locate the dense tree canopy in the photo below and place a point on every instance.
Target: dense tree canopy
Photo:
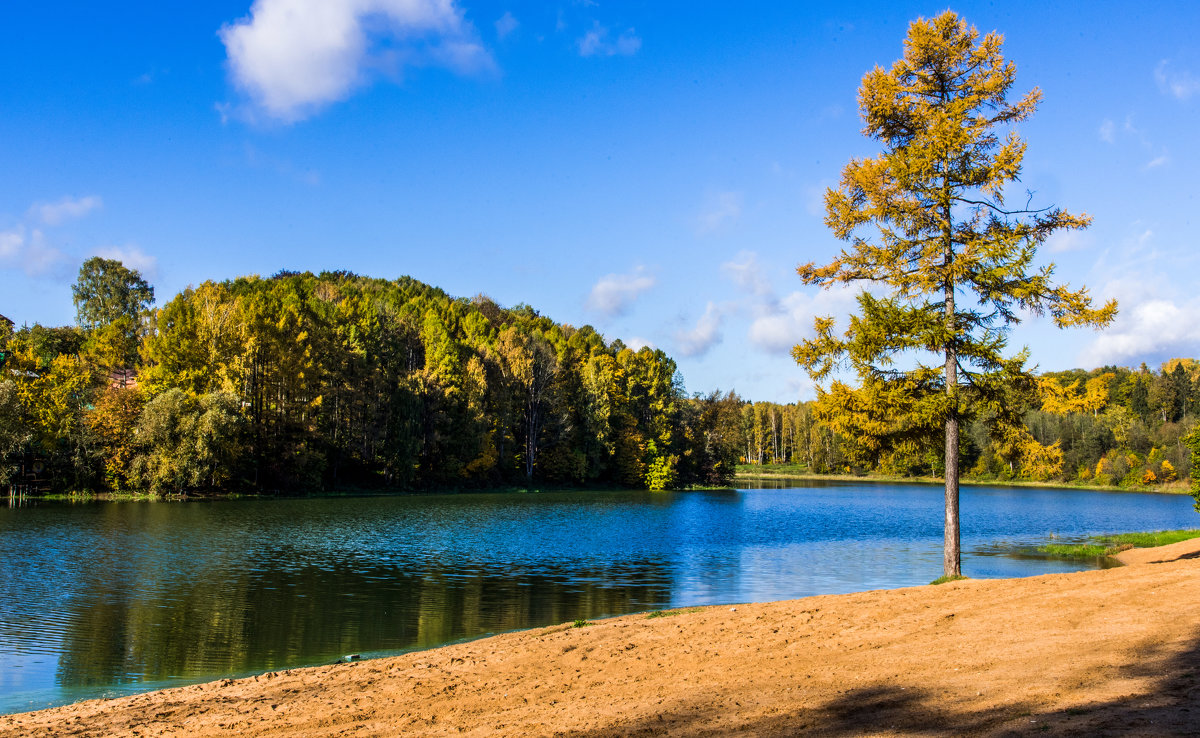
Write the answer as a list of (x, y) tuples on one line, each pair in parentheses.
[(302, 382), (950, 263)]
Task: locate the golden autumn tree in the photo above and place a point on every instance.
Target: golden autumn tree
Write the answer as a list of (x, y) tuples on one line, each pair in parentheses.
[(948, 263)]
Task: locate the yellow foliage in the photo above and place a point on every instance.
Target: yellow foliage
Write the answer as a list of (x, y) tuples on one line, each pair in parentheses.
[(1056, 398), (1191, 366), (1062, 400), (1168, 472), (1041, 462)]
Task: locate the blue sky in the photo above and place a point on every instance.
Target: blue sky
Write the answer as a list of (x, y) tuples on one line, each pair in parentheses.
[(653, 169)]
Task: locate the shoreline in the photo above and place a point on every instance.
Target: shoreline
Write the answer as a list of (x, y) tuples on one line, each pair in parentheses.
[(981, 657), (1172, 488)]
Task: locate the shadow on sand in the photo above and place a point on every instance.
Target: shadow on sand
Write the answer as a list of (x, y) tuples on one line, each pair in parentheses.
[(1171, 707)]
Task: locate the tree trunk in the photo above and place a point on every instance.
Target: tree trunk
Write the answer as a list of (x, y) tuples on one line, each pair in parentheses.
[(952, 555), (951, 548)]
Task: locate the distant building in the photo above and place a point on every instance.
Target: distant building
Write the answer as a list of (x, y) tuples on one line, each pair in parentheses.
[(123, 379)]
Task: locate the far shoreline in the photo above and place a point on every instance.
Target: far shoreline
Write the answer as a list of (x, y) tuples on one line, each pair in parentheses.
[(1178, 487)]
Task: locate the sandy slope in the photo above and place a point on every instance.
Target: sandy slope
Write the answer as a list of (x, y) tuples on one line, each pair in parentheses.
[(1113, 652)]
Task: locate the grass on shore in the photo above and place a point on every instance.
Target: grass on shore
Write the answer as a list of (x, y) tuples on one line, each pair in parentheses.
[(949, 578), (669, 613), (1111, 545)]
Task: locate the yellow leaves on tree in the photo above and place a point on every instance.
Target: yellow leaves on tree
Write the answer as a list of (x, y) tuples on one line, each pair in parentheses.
[(950, 264), (1063, 400)]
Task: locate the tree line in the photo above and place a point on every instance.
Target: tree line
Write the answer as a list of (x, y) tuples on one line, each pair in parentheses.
[(1111, 426), (303, 382)]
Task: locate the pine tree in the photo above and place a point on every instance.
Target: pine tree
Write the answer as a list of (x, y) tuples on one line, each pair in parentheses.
[(949, 263)]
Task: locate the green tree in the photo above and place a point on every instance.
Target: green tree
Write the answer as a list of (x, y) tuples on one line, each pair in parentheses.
[(951, 262), (112, 303), (187, 443)]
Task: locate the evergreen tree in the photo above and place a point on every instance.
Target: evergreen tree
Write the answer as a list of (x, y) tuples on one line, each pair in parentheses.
[(950, 262)]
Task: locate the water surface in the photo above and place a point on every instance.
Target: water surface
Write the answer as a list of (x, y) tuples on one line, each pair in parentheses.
[(110, 598)]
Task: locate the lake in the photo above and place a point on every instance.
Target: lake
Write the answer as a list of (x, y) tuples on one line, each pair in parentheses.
[(112, 598)]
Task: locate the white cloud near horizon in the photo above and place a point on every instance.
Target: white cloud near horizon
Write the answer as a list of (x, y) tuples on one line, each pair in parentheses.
[(30, 252), (781, 325), (64, 209), (26, 247), (613, 294), (1107, 131), (598, 42), (1152, 331), (697, 341), (293, 57), (1179, 84), (133, 257)]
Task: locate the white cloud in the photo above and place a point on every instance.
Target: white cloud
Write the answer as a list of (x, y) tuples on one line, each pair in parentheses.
[(68, 208), (719, 208), (132, 257), (1108, 131), (613, 294), (1151, 331), (506, 24), (637, 344), (597, 42), (1064, 241), (706, 334), (1157, 161), (780, 326), (11, 243), (748, 274), (30, 253), (1178, 84), (292, 57)]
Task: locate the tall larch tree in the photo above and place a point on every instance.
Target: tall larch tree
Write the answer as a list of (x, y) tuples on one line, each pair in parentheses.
[(947, 263)]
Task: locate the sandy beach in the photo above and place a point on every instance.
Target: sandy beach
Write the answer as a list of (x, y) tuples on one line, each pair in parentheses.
[(1113, 652)]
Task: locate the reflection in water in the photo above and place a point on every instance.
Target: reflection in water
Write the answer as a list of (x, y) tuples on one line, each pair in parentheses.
[(109, 598)]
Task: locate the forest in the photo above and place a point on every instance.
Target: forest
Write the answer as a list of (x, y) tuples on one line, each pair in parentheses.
[(305, 382), (1110, 426), (301, 382)]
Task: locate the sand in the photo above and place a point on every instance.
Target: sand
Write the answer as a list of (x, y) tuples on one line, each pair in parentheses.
[(1113, 652)]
